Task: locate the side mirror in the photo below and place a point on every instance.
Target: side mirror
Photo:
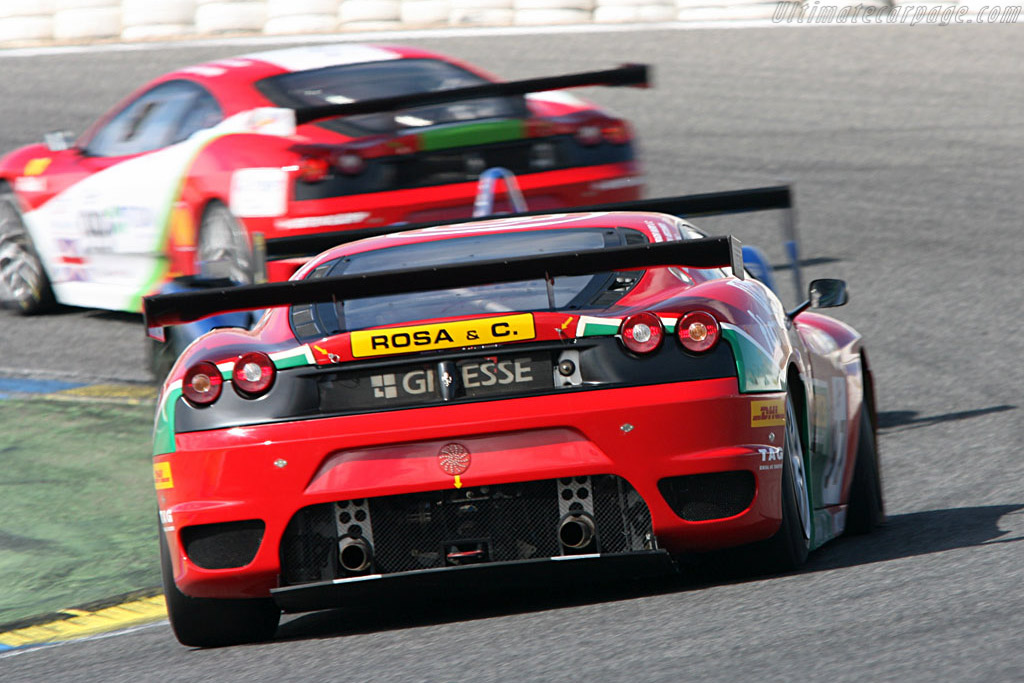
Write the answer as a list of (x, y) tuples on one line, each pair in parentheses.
[(58, 141), (827, 293), (823, 293)]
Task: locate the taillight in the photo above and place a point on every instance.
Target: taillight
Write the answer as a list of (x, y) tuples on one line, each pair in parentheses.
[(202, 383), (253, 374), (617, 132), (588, 135), (350, 163), (313, 169), (698, 331), (642, 333)]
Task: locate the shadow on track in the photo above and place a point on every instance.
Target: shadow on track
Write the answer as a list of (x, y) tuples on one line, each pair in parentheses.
[(911, 419), (904, 535)]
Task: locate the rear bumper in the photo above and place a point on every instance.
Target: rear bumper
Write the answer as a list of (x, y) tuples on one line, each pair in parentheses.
[(615, 182), (456, 580), (643, 435)]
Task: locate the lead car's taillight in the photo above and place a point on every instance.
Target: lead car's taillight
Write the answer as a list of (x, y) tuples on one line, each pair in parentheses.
[(642, 333), (698, 331), (202, 383), (253, 374)]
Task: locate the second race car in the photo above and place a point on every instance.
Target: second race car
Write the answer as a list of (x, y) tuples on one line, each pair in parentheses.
[(207, 169)]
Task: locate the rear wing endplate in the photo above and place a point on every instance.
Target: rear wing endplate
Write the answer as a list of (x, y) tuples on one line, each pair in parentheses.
[(184, 307)]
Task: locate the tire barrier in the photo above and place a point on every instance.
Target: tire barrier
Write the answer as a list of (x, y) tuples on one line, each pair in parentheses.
[(37, 21)]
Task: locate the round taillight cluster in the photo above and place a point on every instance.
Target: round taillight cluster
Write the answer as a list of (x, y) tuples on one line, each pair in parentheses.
[(202, 383), (642, 333), (698, 331), (253, 374), (350, 163), (313, 169)]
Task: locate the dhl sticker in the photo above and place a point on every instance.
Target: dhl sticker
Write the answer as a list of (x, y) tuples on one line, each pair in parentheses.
[(37, 166), (162, 476), (768, 413), (413, 338)]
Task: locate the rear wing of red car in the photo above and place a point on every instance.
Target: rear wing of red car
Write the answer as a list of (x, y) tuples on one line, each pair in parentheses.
[(636, 75), (184, 307)]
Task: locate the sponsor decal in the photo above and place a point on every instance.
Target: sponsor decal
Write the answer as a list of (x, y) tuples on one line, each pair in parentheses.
[(259, 192), (30, 184), (771, 458), (322, 221), (614, 183), (37, 166), (414, 338), (162, 476), (167, 520), (453, 459), (768, 413)]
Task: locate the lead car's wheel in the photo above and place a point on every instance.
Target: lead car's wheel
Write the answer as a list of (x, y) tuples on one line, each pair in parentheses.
[(24, 284), (788, 548), (211, 622)]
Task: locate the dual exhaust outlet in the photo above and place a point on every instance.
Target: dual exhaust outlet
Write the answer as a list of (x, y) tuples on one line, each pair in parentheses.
[(575, 532)]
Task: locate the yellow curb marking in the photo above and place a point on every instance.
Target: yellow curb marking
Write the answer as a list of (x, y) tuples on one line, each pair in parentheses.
[(120, 393), (84, 623)]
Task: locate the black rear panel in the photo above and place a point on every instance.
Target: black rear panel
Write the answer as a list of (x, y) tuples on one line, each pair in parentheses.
[(474, 525)]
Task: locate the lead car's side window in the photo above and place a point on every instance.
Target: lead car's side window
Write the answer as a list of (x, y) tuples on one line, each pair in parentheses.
[(168, 113)]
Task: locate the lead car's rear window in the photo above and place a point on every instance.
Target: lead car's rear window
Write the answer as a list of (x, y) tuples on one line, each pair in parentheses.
[(346, 83), (568, 293)]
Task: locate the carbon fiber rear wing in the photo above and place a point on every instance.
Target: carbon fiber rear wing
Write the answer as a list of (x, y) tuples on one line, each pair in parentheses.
[(687, 206), (184, 307), (636, 75)]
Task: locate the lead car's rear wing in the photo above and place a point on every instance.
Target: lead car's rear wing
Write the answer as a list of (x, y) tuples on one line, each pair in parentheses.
[(184, 307)]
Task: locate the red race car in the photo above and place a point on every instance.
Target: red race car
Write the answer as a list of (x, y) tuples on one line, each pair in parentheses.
[(211, 169), (515, 397)]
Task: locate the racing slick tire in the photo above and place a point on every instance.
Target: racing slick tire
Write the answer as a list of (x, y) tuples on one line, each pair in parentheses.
[(222, 249), (213, 622), (866, 506), (788, 548), (24, 284)]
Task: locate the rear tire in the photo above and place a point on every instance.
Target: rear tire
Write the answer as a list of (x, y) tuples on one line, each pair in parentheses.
[(24, 284), (788, 548), (866, 506), (213, 622), (222, 250)]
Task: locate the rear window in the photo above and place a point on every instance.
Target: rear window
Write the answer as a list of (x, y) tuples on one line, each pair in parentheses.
[(346, 83), (564, 293)]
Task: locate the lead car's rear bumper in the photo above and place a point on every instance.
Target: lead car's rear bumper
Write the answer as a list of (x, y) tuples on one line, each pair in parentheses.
[(551, 571)]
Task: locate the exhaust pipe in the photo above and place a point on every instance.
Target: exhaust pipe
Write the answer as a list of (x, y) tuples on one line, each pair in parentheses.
[(576, 531), (354, 554)]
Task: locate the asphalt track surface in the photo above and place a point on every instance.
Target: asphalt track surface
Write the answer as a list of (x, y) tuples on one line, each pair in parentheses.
[(906, 145)]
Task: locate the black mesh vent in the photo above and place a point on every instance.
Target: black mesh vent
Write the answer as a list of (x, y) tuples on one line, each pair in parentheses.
[(461, 526), (309, 547), (700, 497), (223, 546)]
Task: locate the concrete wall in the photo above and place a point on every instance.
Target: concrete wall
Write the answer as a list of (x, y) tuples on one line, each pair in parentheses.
[(27, 22)]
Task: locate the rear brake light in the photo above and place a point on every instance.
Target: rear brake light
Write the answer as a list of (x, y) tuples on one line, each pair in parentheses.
[(202, 383), (642, 333), (617, 132), (313, 169), (253, 374), (698, 331)]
